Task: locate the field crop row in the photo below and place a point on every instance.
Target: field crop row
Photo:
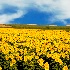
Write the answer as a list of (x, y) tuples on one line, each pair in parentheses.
[(34, 49)]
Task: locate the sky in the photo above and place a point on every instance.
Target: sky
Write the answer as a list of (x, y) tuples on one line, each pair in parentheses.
[(40, 12)]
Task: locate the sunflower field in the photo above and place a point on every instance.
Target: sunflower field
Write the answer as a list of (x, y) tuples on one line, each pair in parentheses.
[(34, 49)]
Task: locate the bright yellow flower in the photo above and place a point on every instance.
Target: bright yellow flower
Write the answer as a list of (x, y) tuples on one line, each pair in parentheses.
[(13, 61), (40, 61), (0, 68), (65, 68), (11, 56), (60, 61), (11, 64), (46, 66), (29, 57), (25, 51), (25, 58), (36, 57), (20, 57), (7, 57), (49, 55)]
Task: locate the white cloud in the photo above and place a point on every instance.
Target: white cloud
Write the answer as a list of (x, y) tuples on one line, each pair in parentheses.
[(21, 11), (59, 8), (5, 18)]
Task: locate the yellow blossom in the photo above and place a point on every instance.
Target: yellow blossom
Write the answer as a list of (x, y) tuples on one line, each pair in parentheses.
[(36, 57), (65, 68), (46, 66), (0, 68), (40, 61), (25, 58)]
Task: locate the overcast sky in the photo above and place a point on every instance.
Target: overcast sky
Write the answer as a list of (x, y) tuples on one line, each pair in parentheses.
[(40, 12)]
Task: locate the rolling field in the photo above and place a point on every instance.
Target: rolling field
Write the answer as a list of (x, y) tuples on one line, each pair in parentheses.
[(29, 47)]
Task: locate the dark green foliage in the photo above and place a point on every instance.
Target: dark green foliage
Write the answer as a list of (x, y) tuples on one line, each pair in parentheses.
[(3, 63), (44, 27)]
